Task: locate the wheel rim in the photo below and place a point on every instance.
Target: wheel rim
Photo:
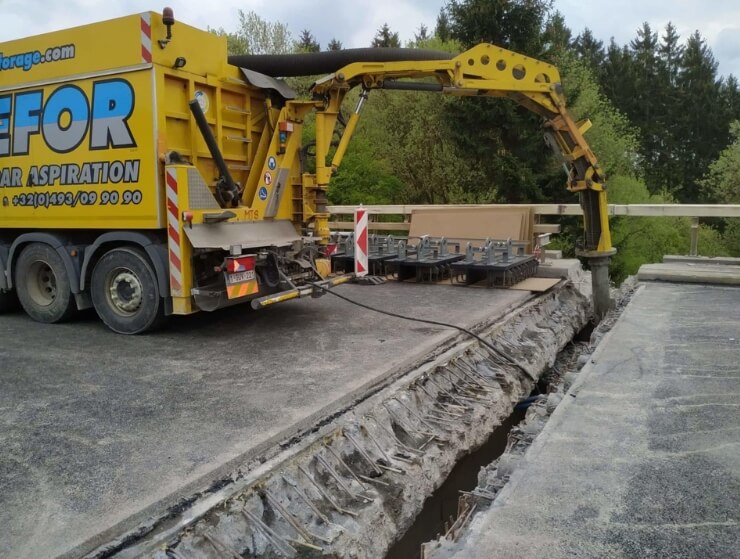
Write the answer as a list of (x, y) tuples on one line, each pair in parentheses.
[(42, 283), (125, 292)]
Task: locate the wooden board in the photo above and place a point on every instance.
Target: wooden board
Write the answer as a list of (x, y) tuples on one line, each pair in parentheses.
[(536, 284), (462, 224)]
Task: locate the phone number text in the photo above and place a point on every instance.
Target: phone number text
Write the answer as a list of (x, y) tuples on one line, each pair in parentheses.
[(78, 198)]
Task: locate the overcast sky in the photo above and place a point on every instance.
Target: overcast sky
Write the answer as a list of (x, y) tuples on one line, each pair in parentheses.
[(354, 22)]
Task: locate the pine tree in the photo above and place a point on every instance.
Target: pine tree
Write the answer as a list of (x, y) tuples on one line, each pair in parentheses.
[(442, 29), (557, 35), (730, 93), (667, 128), (513, 24), (617, 77), (646, 105), (672, 93), (703, 132), (590, 50), (497, 137), (421, 35), (670, 52), (307, 42), (386, 38), (334, 44)]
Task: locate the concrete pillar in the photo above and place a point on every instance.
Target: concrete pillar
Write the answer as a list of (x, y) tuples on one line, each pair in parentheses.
[(600, 285)]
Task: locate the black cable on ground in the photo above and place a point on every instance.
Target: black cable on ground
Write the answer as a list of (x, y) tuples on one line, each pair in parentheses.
[(435, 323)]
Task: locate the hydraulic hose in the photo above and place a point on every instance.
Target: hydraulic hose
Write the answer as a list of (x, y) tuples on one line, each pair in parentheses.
[(218, 159), (314, 63)]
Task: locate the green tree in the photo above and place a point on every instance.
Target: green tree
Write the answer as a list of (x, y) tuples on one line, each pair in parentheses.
[(442, 29), (590, 50), (410, 135), (557, 35), (670, 53), (255, 35), (730, 93), (307, 42), (495, 136), (673, 95), (334, 44), (386, 38), (235, 44), (612, 137), (513, 24), (721, 185), (642, 240), (646, 103), (401, 137), (705, 132), (421, 35), (617, 79), (667, 131), (364, 178)]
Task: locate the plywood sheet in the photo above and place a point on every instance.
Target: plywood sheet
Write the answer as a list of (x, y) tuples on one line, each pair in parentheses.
[(462, 224), (536, 284)]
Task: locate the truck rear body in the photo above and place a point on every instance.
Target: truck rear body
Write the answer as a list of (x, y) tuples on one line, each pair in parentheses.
[(97, 141)]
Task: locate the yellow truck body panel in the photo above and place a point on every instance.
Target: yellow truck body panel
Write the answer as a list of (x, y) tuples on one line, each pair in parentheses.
[(87, 114)]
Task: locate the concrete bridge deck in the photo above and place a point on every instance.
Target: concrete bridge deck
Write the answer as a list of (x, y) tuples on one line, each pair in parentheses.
[(642, 457), (99, 431)]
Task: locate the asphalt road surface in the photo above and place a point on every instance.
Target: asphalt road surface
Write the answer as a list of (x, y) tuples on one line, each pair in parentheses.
[(99, 430)]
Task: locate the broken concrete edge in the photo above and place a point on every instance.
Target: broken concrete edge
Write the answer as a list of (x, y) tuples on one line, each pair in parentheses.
[(216, 484), (712, 274), (499, 479), (368, 528), (516, 329), (715, 260), (238, 469)]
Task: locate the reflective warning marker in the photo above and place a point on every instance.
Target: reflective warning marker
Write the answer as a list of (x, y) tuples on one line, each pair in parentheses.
[(361, 263)]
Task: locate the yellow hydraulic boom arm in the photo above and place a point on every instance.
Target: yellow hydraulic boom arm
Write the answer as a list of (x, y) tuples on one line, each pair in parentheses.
[(484, 70)]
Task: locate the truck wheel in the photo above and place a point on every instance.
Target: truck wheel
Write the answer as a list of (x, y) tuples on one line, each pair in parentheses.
[(42, 284), (125, 292)]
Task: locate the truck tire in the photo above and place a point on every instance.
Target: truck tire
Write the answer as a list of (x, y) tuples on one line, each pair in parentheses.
[(42, 284), (125, 293)]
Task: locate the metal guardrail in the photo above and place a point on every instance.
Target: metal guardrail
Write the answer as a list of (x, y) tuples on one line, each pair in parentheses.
[(637, 210), (694, 211)]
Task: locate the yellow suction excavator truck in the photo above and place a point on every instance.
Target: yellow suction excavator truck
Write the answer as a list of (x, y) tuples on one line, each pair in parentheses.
[(144, 173)]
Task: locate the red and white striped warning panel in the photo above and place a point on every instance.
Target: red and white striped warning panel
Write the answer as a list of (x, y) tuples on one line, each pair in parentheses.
[(361, 242), (173, 234), (146, 38)]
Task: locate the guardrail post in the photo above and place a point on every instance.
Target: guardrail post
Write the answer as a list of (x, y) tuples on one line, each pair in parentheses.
[(694, 250)]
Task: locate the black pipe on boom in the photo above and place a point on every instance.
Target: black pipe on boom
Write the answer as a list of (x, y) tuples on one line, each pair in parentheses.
[(314, 63), (228, 191)]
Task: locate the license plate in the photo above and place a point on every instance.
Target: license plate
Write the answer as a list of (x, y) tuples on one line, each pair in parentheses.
[(240, 277)]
